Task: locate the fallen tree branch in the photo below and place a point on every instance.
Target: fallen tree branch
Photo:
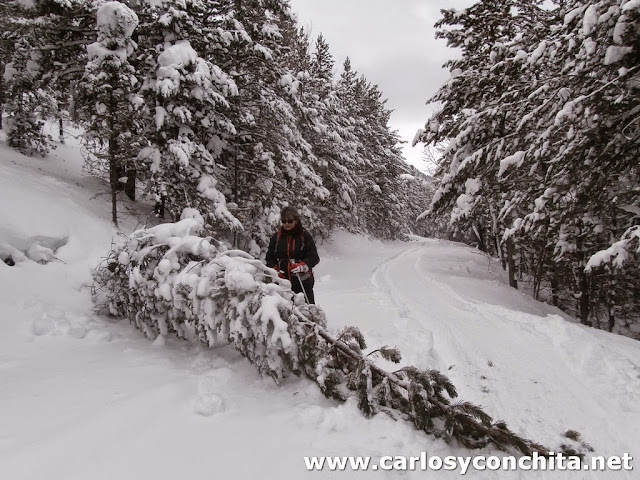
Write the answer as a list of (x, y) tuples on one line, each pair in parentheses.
[(167, 281)]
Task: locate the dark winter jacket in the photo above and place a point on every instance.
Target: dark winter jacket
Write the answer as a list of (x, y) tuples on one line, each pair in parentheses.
[(297, 245)]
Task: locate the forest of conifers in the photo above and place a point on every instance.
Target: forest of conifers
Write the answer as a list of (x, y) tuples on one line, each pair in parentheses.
[(230, 107)]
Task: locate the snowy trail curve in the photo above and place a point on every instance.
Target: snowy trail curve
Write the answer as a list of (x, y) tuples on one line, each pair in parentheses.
[(516, 357)]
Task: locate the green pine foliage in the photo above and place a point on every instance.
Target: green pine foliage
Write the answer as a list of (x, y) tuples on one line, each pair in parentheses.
[(27, 102), (51, 37), (325, 125), (269, 161)]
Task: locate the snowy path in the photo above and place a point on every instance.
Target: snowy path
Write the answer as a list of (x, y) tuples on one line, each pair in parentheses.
[(518, 358), (447, 306)]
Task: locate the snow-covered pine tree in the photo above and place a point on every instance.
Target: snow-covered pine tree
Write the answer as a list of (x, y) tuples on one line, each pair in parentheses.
[(8, 39), (415, 192), (534, 115), (270, 164), (324, 124), (28, 101), (187, 92), (56, 32), (587, 153), (66, 28), (108, 99), (185, 99), (379, 208), (471, 119)]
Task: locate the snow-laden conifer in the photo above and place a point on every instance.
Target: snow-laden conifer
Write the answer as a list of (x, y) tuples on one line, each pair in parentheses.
[(325, 124), (107, 95), (27, 101), (56, 35), (186, 96), (270, 163), (540, 119)]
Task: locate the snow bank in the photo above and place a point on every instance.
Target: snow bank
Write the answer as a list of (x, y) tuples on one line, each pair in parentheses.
[(37, 229)]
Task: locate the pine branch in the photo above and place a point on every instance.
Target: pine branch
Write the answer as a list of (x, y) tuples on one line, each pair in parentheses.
[(470, 418), (390, 354)]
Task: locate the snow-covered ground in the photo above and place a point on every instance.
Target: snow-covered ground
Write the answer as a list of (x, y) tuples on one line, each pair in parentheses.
[(87, 397)]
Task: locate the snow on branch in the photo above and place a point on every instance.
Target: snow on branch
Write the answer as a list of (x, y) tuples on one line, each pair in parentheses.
[(515, 159), (618, 253), (167, 280)]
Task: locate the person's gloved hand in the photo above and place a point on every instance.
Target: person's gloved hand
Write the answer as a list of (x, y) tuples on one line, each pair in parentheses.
[(299, 268)]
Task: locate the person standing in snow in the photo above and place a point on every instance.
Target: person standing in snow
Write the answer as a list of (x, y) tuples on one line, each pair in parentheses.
[(292, 252)]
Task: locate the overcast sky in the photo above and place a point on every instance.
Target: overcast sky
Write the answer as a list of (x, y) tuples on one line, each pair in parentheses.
[(392, 43)]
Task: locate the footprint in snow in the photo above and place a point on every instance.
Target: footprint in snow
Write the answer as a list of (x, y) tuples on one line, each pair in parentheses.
[(208, 402), (58, 322), (206, 361), (43, 325)]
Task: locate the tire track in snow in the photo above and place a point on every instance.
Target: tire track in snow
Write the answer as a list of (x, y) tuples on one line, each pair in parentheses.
[(503, 351), (407, 326), (449, 350), (430, 336)]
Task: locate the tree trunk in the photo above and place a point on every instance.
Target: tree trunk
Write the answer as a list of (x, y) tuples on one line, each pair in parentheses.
[(584, 297), (113, 179), (130, 186), (236, 173), (61, 129), (496, 236), (612, 319), (73, 110), (477, 230), (555, 284), (583, 280), (2, 93), (511, 262), (114, 164), (537, 278), (539, 273)]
